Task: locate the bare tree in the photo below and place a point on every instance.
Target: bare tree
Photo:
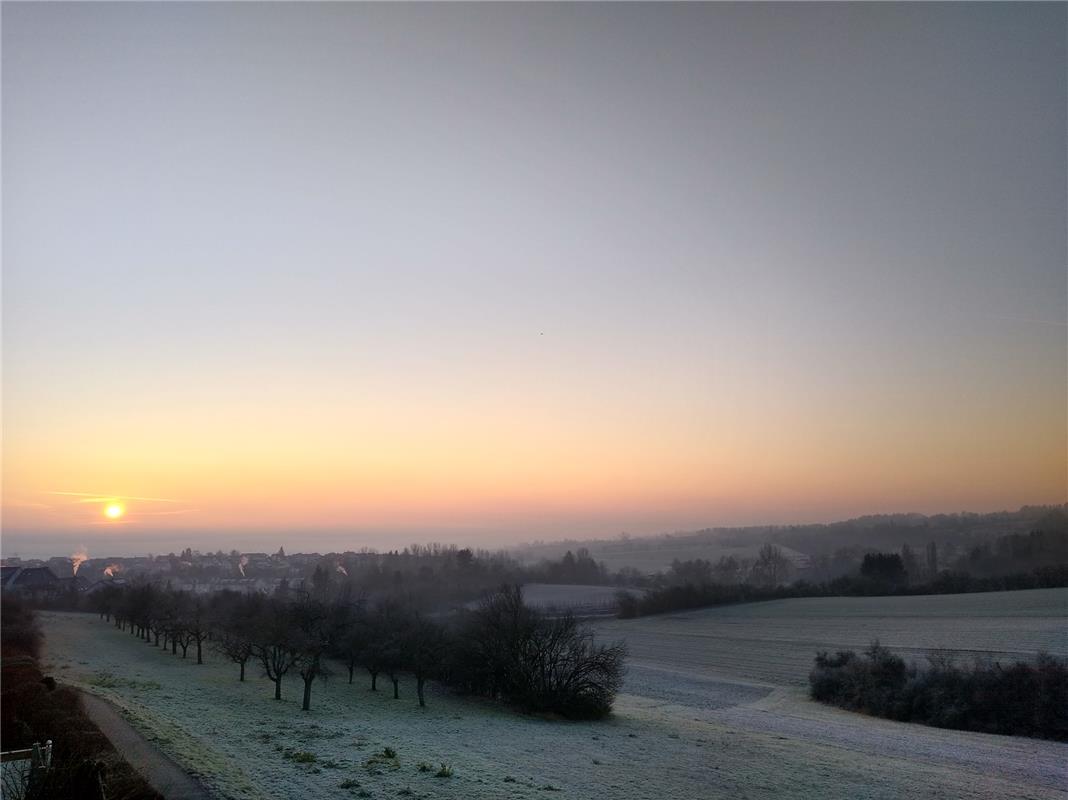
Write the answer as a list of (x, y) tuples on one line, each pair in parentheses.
[(373, 659), (314, 630), (197, 625), (424, 648), (727, 570), (273, 643), (392, 655), (771, 567), (351, 648), (378, 648), (233, 622)]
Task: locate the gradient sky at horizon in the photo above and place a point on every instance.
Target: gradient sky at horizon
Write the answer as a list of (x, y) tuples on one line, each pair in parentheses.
[(500, 272)]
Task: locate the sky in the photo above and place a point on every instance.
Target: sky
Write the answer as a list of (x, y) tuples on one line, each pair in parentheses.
[(349, 275)]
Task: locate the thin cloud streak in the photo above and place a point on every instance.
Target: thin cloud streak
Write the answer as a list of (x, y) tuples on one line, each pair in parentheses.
[(107, 498)]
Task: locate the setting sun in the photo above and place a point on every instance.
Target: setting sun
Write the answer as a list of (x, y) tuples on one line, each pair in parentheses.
[(114, 510)]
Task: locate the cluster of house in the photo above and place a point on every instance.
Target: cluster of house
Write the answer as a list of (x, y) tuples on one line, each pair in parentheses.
[(39, 581), (189, 571)]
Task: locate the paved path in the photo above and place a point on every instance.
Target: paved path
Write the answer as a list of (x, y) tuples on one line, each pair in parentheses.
[(166, 777)]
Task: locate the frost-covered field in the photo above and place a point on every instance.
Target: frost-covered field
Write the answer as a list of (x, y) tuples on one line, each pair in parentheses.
[(694, 723), (774, 642)]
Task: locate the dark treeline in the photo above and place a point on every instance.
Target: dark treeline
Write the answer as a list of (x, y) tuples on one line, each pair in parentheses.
[(1041, 557), (958, 543), (438, 574), (444, 573), (34, 709), (1016, 553), (690, 596), (502, 649), (957, 533), (1021, 699)]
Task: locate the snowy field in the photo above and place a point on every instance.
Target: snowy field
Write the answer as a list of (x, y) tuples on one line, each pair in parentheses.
[(713, 709), (774, 642)]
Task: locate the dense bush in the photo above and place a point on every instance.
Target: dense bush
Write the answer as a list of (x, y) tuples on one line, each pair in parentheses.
[(886, 568), (1022, 699), (509, 651), (20, 635)]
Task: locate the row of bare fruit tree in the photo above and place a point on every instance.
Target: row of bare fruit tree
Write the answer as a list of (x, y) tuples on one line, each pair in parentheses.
[(503, 649)]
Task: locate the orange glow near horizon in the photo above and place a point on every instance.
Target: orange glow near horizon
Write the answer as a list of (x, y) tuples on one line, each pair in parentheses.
[(643, 470)]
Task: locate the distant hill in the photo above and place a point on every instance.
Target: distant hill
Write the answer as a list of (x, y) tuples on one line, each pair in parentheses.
[(952, 533)]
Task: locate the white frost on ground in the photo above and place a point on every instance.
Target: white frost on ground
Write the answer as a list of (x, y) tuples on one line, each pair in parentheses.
[(774, 642), (712, 709)]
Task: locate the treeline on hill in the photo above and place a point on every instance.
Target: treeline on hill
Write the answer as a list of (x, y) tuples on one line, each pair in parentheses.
[(35, 709), (833, 549), (950, 532), (700, 583), (1020, 699), (438, 574), (503, 649)]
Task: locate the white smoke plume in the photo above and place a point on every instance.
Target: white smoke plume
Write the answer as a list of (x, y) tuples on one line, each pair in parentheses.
[(241, 565), (78, 557), (111, 569), (342, 570)]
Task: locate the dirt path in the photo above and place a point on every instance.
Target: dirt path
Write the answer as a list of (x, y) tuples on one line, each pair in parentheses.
[(165, 776)]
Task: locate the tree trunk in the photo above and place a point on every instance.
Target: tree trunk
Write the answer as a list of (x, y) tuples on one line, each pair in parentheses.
[(419, 691), (396, 691), (350, 674), (278, 688), (157, 638), (185, 649), (306, 705), (174, 647), (242, 678), (200, 653)]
